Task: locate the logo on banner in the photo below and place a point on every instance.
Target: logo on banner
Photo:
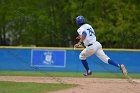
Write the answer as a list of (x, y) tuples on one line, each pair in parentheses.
[(48, 58)]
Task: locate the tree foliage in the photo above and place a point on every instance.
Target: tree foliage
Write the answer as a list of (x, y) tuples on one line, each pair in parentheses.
[(52, 22)]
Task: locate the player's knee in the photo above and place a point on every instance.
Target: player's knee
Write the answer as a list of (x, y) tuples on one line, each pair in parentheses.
[(82, 56), (105, 60)]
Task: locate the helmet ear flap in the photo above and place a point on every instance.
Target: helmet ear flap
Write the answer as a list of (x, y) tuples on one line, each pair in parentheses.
[(80, 20)]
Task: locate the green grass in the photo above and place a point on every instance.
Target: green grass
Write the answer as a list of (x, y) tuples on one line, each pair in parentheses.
[(64, 74), (26, 87)]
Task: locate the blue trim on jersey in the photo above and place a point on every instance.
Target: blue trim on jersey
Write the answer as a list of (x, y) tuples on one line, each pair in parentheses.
[(84, 33)]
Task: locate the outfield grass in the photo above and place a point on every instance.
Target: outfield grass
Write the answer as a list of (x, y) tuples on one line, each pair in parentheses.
[(64, 74), (28, 87)]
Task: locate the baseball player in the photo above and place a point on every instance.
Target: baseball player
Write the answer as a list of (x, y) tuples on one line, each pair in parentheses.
[(88, 38)]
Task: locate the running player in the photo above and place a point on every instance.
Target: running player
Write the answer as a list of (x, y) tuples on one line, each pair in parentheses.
[(87, 36)]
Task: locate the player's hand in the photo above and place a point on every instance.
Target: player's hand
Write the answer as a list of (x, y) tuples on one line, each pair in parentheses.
[(76, 45), (78, 37)]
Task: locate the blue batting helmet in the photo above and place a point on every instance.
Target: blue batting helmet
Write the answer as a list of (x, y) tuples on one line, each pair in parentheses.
[(80, 20)]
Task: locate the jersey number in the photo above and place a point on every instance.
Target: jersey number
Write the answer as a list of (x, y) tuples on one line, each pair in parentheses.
[(91, 32)]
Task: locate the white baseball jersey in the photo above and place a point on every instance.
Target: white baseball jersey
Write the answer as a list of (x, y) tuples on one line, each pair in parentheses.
[(90, 34), (92, 46)]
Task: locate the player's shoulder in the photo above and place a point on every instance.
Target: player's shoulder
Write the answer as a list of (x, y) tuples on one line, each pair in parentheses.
[(79, 30), (83, 27), (88, 25)]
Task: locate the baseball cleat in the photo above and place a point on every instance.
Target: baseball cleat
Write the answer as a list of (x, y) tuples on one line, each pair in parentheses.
[(124, 71), (88, 73)]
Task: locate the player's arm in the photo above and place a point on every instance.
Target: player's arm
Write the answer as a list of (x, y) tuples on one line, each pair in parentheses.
[(82, 37)]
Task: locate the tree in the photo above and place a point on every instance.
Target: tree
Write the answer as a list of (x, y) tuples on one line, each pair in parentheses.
[(52, 22)]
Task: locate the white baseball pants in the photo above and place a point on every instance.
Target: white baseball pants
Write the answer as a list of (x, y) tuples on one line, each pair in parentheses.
[(96, 49)]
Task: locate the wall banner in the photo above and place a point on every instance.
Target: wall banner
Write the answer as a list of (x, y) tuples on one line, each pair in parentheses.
[(48, 58)]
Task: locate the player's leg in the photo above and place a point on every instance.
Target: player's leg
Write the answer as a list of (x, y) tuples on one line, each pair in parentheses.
[(85, 64), (112, 62), (83, 56), (101, 55)]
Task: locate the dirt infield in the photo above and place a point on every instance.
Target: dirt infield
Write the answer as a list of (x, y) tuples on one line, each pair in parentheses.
[(86, 85)]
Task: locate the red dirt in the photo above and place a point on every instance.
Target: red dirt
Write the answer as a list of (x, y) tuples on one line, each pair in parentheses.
[(86, 85)]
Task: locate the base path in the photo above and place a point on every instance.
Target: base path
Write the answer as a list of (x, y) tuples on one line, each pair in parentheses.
[(86, 85)]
